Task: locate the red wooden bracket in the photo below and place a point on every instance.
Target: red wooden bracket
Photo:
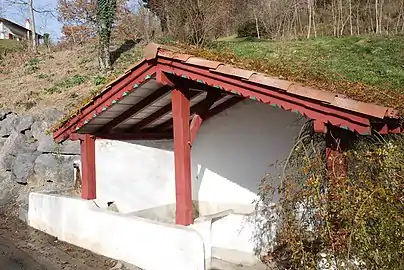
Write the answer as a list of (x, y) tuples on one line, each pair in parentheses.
[(195, 125), (76, 136), (161, 78), (320, 126)]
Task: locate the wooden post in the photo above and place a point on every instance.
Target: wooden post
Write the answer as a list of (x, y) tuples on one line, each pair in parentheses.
[(87, 152), (337, 141), (182, 157)]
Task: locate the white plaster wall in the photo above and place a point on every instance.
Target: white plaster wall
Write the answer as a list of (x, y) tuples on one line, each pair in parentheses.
[(144, 243), (232, 153), (2, 30), (5, 31), (135, 176)]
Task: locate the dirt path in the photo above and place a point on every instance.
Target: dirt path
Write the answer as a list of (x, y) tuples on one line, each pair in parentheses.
[(24, 248)]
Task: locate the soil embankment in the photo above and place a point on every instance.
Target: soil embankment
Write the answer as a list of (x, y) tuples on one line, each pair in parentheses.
[(24, 248)]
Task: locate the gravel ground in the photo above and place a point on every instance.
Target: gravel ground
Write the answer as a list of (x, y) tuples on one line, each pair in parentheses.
[(24, 248)]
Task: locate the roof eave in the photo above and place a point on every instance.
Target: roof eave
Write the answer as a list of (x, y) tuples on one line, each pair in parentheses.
[(156, 56)]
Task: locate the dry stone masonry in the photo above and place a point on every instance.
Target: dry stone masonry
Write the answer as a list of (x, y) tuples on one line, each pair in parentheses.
[(29, 159)]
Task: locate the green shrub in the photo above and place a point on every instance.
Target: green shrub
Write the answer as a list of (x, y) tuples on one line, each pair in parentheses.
[(353, 221), (42, 76), (99, 80), (32, 65), (52, 90), (72, 81)]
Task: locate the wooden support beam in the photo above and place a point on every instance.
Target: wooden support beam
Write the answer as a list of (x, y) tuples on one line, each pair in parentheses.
[(162, 79), (222, 107), (182, 157), (199, 108), (87, 152), (158, 114), (147, 101), (337, 141), (194, 127), (136, 136)]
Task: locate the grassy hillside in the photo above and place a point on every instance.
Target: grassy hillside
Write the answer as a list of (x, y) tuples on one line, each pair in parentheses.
[(8, 46), (60, 79), (369, 69)]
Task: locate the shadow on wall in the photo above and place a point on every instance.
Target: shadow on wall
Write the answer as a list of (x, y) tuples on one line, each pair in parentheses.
[(236, 149)]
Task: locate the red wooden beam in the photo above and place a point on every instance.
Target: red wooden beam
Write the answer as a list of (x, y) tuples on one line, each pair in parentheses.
[(156, 115), (319, 126), (222, 107), (147, 101), (136, 136), (269, 95), (161, 78), (199, 108), (113, 92), (76, 136), (87, 152), (195, 125), (182, 158), (337, 141)]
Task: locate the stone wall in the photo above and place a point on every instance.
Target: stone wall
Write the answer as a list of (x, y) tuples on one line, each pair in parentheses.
[(29, 159)]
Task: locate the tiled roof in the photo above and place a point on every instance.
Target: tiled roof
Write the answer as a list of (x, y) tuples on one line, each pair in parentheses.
[(137, 101), (330, 98)]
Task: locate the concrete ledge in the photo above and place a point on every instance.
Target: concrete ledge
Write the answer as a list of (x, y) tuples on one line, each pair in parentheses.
[(214, 216), (232, 239), (147, 244)]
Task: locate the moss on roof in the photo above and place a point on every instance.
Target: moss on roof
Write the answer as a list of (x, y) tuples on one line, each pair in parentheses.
[(368, 69)]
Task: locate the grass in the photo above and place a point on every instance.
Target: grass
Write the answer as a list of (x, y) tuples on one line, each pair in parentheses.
[(8, 45), (67, 83), (374, 61), (367, 68), (64, 78)]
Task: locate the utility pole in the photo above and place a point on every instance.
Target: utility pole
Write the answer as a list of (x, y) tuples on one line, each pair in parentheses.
[(32, 26)]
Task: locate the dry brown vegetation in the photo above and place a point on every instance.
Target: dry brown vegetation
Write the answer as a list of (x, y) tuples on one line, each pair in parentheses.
[(284, 19), (60, 79)]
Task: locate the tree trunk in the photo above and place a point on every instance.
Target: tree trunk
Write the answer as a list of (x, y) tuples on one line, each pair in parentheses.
[(32, 24), (309, 27), (377, 15), (350, 17), (357, 21), (381, 16), (256, 25)]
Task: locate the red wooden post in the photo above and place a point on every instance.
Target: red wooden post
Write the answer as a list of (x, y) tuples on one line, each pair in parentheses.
[(87, 152), (182, 157), (337, 141)]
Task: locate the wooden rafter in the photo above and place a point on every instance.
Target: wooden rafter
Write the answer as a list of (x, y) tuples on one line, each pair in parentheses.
[(144, 103), (199, 108), (222, 107), (156, 115), (136, 136)]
